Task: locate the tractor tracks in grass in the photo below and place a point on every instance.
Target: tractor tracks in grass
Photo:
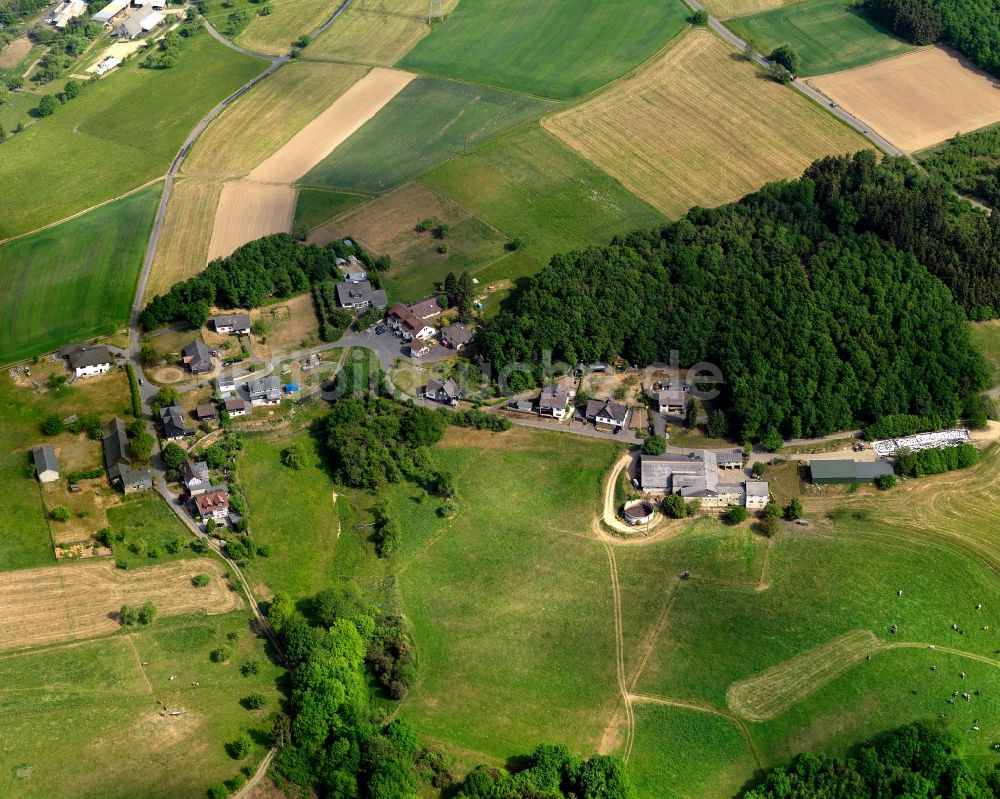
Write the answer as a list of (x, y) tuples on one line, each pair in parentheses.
[(620, 653)]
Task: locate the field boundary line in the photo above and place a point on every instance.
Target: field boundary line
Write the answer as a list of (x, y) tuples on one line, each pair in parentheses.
[(888, 646), (138, 662), (70, 218)]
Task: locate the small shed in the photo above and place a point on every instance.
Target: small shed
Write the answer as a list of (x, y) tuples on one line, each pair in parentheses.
[(205, 412), (831, 472), (46, 466)]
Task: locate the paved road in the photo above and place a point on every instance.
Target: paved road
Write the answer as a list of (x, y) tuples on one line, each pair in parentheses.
[(799, 85)]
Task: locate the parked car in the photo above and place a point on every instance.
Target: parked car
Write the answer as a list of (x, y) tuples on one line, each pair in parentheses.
[(379, 330)]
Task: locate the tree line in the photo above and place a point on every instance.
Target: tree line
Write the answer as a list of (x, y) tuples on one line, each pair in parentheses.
[(970, 26), (970, 164), (821, 300)]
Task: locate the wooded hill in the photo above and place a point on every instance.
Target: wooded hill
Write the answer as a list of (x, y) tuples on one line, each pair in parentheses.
[(812, 296)]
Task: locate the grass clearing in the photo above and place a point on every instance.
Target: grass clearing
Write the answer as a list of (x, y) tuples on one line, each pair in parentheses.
[(289, 325), (918, 99), (80, 717), (267, 117), (74, 280), (986, 336), (708, 128), (527, 45), (827, 35), (275, 33), (150, 531), (388, 225), (530, 186), (315, 207), (121, 133), (375, 33), (429, 121), (187, 233)]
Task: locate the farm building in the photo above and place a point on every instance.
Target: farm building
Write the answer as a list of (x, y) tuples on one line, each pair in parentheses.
[(46, 465), (607, 414), (553, 402), (174, 424), (197, 358), (238, 324), (195, 477), (213, 504), (66, 11), (118, 459), (888, 447), (265, 391), (110, 12), (360, 295), (757, 494), (456, 336), (671, 399), (236, 406), (106, 65), (407, 324), (140, 21), (847, 471), (446, 392), (87, 360), (696, 475)]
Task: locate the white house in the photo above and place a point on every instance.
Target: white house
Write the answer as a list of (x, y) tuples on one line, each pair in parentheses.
[(195, 477), (607, 413), (446, 392), (237, 324), (86, 360), (213, 505), (265, 391), (757, 494), (553, 402), (236, 406), (407, 324)]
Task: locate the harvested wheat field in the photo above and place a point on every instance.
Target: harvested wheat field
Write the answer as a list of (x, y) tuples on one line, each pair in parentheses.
[(267, 116), (918, 99), (375, 32), (63, 603), (247, 211), (770, 693), (187, 233), (321, 136), (700, 127), (727, 9), (13, 53)]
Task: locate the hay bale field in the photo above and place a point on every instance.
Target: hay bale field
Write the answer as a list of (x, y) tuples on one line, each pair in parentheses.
[(63, 603), (918, 99), (187, 233), (247, 211), (266, 117), (375, 32), (528, 45), (700, 127), (827, 35), (770, 693)]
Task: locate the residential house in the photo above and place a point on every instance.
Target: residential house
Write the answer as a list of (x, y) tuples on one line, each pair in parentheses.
[(426, 308), (757, 494), (226, 385), (446, 392), (206, 412), (46, 465), (118, 459), (355, 277), (213, 505), (236, 324), (197, 358), (671, 399), (87, 360), (195, 477), (265, 391), (174, 422), (847, 471), (418, 348), (456, 336), (236, 406), (360, 295), (407, 324), (553, 402), (607, 414)]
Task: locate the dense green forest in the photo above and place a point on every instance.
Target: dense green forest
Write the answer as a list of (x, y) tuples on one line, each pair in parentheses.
[(809, 295), (918, 761), (272, 266), (970, 26), (970, 164)]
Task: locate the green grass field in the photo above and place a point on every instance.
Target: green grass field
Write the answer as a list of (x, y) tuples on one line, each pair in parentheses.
[(16, 109), (530, 186), (88, 721), (428, 122), (74, 280), (986, 336), (313, 207), (529, 47), (828, 35), (152, 533), (121, 133)]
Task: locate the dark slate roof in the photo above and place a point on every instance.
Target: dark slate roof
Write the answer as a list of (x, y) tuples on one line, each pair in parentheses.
[(200, 357), (457, 333), (45, 458), (553, 397), (266, 387), (174, 422), (116, 447), (606, 409), (240, 321), (354, 293), (86, 355)]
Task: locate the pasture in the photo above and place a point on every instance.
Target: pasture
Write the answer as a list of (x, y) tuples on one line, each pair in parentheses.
[(527, 45), (986, 336), (918, 99), (374, 32), (187, 233), (146, 531), (87, 720), (388, 225), (827, 35), (266, 117), (314, 207), (74, 280), (708, 128), (727, 9), (429, 121), (529, 185), (274, 33), (119, 134)]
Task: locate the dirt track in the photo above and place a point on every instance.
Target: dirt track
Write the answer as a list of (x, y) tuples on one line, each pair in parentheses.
[(918, 99), (63, 603), (332, 127), (248, 211)]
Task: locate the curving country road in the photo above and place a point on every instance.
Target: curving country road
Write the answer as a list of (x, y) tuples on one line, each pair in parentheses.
[(799, 85)]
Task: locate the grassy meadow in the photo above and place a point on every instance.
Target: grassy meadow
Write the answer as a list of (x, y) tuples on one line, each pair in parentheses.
[(275, 33), (527, 45), (151, 532), (74, 280), (86, 720), (314, 207), (828, 35), (120, 133), (429, 121)]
